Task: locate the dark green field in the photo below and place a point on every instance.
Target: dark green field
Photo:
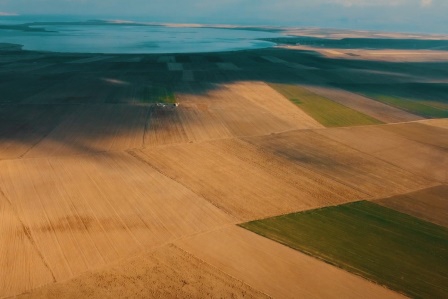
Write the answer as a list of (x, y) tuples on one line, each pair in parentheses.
[(325, 111), (393, 249)]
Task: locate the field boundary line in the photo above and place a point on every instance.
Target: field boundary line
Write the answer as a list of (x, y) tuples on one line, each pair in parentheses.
[(139, 158), (217, 269), (431, 180), (318, 173), (117, 262)]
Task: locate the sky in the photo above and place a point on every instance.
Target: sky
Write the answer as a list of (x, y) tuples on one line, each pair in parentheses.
[(430, 16)]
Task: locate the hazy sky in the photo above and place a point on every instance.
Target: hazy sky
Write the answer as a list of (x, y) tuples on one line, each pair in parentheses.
[(399, 15)]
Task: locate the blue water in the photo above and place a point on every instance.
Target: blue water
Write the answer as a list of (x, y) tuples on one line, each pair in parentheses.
[(125, 38)]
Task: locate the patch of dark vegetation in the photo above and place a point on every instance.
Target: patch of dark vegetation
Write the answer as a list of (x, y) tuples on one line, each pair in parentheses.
[(214, 59), (183, 59)]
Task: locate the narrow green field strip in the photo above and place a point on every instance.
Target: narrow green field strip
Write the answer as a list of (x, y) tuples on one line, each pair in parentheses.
[(417, 107), (399, 251), (325, 111), (158, 94)]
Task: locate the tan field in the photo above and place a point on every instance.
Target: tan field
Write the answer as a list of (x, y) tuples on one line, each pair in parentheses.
[(340, 162), (421, 133), (93, 129), (429, 204), (235, 263), (379, 55), (168, 272), (443, 123), (382, 143), (108, 189), (238, 109), (291, 274), (262, 184), (98, 209)]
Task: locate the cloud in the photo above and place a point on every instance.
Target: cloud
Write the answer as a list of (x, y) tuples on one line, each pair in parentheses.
[(426, 3), (349, 3), (7, 14), (402, 15)]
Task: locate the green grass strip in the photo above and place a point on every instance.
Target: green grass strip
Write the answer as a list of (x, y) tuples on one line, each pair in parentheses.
[(402, 252), (325, 111), (157, 94), (413, 106)]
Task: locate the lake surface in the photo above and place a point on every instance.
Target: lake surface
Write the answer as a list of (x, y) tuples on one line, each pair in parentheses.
[(126, 38)]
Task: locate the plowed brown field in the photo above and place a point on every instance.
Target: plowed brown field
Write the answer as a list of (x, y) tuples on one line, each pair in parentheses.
[(421, 133), (422, 159), (428, 204), (340, 162)]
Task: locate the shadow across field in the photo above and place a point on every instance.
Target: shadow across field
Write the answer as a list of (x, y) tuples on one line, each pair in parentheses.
[(109, 97)]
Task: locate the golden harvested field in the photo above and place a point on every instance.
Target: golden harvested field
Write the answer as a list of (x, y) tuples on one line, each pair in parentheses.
[(277, 270), (107, 189), (377, 110), (341, 163), (423, 159), (442, 123), (422, 133), (83, 213), (168, 272), (428, 204), (24, 126), (22, 266), (238, 109), (93, 129), (245, 181)]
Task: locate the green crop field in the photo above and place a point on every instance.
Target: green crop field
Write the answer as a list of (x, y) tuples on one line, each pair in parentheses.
[(393, 249), (325, 111), (422, 108), (424, 99), (158, 94)]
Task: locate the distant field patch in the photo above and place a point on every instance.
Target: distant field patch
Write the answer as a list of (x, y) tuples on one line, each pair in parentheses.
[(425, 99), (325, 111), (429, 204), (394, 249), (158, 94), (413, 106)]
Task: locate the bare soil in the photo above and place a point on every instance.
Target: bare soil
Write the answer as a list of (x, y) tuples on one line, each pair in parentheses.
[(428, 204)]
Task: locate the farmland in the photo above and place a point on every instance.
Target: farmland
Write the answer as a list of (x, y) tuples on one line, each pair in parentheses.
[(358, 237), (327, 112), (427, 204), (107, 189), (410, 97)]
